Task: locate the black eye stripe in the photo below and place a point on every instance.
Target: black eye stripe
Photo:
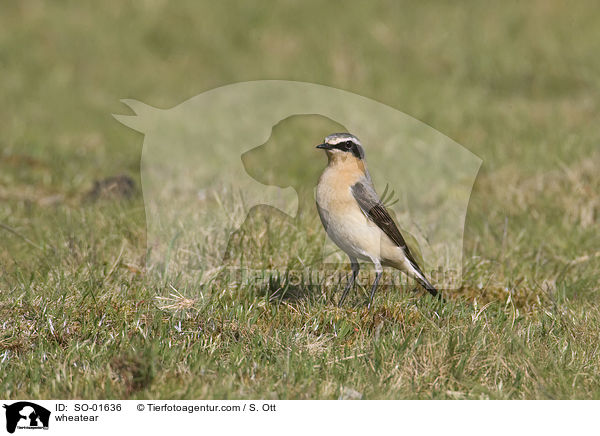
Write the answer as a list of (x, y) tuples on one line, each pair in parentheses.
[(350, 146), (346, 145)]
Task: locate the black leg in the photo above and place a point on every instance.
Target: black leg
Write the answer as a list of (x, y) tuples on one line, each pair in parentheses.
[(374, 288), (351, 280)]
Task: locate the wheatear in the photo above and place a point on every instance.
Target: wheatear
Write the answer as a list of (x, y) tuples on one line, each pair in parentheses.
[(355, 218)]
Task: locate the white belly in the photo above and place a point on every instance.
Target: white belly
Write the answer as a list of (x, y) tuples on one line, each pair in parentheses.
[(347, 225)]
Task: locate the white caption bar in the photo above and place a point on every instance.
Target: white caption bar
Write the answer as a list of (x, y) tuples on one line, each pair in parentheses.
[(273, 417)]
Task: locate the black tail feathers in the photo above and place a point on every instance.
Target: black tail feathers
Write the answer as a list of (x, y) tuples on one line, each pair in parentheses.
[(429, 287)]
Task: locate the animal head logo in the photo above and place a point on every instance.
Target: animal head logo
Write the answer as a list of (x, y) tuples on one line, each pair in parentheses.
[(240, 161), (24, 414)]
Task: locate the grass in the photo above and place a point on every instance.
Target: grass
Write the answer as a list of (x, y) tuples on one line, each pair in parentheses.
[(81, 316)]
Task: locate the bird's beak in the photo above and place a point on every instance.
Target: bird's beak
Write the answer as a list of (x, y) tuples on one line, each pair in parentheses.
[(324, 146)]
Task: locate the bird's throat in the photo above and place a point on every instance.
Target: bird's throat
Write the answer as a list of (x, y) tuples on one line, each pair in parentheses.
[(346, 162)]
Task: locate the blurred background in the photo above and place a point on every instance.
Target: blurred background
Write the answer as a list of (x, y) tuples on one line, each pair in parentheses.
[(516, 83)]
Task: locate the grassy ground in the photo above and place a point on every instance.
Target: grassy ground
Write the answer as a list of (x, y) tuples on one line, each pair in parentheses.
[(80, 317)]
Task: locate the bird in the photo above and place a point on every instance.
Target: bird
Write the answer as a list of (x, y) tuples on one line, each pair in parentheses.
[(355, 218)]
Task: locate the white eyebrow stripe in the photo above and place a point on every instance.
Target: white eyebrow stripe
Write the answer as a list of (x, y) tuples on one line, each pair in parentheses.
[(337, 140)]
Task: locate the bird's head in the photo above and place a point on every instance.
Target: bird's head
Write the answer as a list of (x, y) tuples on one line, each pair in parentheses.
[(342, 145)]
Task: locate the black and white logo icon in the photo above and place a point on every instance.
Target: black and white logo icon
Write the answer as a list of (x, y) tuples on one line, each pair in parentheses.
[(26, 415)]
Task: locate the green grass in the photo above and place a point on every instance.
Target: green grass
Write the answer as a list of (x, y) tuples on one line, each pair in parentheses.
[(81, 317)]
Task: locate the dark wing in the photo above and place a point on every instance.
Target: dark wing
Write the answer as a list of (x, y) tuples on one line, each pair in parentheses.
[(371, 205)]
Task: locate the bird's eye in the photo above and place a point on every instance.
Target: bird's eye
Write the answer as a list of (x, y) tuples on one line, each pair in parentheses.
[(348, 145)]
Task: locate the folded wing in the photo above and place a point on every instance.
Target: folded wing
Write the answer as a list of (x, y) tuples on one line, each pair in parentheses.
[(371, 205)]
